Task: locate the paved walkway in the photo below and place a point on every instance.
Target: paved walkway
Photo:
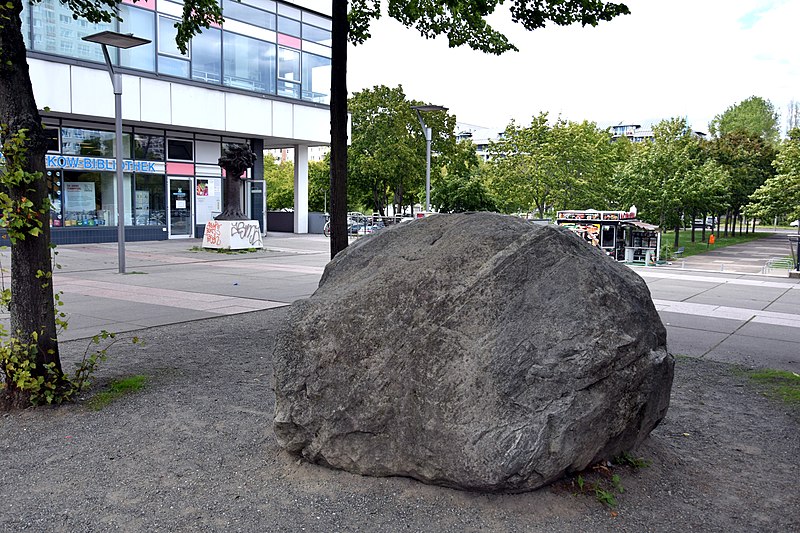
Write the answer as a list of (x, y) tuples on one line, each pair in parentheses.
[(730, 314)]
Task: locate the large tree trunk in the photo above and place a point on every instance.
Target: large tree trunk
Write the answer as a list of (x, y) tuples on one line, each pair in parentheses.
[(693, 219), (339, 237), (32, 306)]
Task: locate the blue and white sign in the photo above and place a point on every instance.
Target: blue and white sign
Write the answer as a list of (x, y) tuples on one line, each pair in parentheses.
[(70, 162)]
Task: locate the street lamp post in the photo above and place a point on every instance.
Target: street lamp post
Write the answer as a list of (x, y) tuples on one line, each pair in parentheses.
[(428, 135), (117, 40)]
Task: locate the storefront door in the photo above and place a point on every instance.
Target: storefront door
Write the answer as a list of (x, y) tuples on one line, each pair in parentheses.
[(180, 217)]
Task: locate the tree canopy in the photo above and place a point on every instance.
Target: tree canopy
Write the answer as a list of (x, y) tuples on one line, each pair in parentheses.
[(463, 22), (753, 116)]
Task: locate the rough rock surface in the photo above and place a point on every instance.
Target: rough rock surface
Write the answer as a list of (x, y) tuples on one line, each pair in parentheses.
[(475, 351)]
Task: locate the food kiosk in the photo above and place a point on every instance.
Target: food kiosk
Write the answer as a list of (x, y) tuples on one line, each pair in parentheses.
[(618, 233)]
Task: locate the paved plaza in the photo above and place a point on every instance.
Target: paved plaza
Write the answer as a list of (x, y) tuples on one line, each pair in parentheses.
[(731, 313)]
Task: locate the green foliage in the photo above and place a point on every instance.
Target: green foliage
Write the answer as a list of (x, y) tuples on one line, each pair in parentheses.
[(754, 116), (463, 21), (544, 168), (21, 380), (280, 183), (779, 195), (116, 389), (601, 482), (628, 459), (319, 184), (20, 217), (387, 155)]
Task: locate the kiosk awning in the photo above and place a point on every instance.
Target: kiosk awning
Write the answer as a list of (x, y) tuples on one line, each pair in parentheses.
[(640, 224)]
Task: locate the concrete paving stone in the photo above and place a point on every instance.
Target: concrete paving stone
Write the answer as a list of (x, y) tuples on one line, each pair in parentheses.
[(693, 342), (784, 307), (89, 332), (782, 332), (728, 301), (702, 323), (758, 352)]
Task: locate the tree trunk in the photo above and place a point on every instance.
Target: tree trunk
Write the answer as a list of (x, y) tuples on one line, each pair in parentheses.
[(693, 215), (754, 225), (727, 220), (32, 307), (339, 25), (677, 234), (233, 204), (703, 234)]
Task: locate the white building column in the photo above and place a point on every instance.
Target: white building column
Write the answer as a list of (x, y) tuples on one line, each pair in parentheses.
[(300, 189)]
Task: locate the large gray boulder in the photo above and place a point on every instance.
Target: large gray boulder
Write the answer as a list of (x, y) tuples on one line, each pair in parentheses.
[(476, 351)]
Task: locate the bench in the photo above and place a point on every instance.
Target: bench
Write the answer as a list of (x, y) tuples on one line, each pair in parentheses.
[(679, 251)]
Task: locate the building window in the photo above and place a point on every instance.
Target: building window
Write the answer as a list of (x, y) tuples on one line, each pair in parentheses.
[(142, 24), (248, 63), (93, 143), (288, 26), (288, 73), (317, 35), (236, 10), (207, 56), (89, 198), (170, 59), (149, 200), (149, 148), (316, 78), (180, 150)]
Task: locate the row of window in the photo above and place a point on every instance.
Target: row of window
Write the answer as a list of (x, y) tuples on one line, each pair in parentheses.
[(216, 56)]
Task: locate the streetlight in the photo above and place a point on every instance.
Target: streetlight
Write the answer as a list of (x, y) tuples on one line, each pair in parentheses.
[(428, 134), (117, 40)]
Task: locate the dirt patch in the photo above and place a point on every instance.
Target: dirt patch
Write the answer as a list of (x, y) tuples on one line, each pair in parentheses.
[(194, 451)]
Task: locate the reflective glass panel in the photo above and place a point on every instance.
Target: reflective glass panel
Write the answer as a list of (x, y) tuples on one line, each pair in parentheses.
[(93, 143), (316, 78), (317, 35), (288, 64), (173, 66), (248, 63), (149, 148), (149, 201), (167, 33), (141, 23), (238, 11), (56, 32), (288, 26), (207, 56)]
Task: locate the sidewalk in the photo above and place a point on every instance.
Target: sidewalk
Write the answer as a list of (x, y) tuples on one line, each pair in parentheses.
[(174, 281)]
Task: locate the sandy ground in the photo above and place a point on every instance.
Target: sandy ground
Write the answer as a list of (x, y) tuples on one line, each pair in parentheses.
[(194, 451)]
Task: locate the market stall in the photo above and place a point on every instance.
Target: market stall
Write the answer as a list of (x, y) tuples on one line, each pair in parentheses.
[(618, 233)]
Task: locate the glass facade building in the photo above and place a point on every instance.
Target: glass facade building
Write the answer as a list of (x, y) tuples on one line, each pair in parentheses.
[(264, 46), (261, 78)]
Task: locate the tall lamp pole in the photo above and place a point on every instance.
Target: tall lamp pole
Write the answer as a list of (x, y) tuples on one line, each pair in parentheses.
[(117, 40), (428, 136)]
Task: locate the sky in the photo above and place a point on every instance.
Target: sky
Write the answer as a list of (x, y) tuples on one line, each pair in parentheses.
[(668, 58)]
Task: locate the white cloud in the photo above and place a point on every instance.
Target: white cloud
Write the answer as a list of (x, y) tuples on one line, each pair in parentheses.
[(668, 58)]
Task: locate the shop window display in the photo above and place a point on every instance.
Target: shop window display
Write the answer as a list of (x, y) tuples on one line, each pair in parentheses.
[(149, 200)]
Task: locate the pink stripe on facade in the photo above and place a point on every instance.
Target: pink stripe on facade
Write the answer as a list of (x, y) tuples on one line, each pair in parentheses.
[(144, 4), (288, 40), (180, 169)]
